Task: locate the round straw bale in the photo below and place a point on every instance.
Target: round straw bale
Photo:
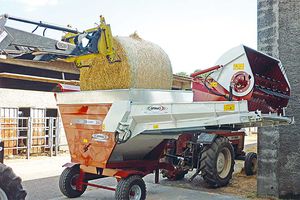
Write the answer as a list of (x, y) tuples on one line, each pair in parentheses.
[(143, 65)]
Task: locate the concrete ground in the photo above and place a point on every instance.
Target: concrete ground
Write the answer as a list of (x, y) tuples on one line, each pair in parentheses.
[(38, 167), (47, 189), (41, 174)]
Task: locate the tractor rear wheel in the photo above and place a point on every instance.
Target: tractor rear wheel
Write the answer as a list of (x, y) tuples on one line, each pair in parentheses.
[(131, 188), (217, 163), (68, 180), (10, 185)]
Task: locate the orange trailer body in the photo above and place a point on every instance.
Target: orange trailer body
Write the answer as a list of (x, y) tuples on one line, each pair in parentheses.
[(80, 123)]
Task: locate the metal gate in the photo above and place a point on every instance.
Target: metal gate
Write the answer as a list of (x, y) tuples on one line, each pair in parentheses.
[(8, 129), (25, 136)]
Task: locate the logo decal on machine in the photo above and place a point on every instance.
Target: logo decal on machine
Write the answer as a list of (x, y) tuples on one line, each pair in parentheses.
[(156, 108), (236, 137), (86, 122), (98, 137)]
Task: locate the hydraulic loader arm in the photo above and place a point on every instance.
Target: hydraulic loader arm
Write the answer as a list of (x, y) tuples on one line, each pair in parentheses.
[(105, 45), (72, 48), (17, 42), (100, 41)]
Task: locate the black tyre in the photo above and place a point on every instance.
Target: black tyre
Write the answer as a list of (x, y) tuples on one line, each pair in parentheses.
[(250, 164), (174, 177), (217, 163), (10, 184), (131, 188), (67, 182)]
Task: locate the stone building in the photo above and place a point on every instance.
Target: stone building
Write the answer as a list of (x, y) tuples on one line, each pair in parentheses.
[(278, 148), (28, 106)]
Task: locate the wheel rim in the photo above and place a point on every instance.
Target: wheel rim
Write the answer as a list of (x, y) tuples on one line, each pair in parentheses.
[(3, 195), (224, 161), (74, 181), (135, 193)]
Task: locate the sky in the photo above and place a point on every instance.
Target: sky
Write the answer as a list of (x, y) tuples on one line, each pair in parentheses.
[(194, 33)]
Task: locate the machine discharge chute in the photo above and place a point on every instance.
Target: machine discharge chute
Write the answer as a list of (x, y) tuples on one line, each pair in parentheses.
[(245, 74)]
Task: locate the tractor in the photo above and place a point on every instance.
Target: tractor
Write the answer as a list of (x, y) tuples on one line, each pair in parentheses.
[(10, 184)]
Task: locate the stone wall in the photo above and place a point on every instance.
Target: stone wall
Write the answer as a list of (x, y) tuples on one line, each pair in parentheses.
[(267, 27), (279, 148)]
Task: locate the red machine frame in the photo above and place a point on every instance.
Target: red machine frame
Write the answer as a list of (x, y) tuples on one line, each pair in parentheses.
[(124, 169)]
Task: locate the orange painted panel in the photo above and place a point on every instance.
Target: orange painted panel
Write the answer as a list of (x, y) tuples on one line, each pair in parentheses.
[(88, 145), (85, 109)]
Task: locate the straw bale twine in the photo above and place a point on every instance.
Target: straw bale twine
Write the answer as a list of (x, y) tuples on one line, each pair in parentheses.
[(143, 65)]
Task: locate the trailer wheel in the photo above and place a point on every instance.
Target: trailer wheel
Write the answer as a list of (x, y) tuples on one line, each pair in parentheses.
[(250, 164), (218, 163), (67, 182), (131, 188), (10, 185)]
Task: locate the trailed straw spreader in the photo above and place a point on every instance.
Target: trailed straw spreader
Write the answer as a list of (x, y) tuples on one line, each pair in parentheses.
[(130, 133)]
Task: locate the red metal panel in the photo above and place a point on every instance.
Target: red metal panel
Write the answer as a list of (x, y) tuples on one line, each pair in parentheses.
[(206, 70)]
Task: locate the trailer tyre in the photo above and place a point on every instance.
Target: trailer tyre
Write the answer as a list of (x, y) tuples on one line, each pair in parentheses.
[(131, 188), (217, 163), (250, 164), (10, 184), (67, 182)]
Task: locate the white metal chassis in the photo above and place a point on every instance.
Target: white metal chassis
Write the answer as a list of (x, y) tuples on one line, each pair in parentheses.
[(154, 115)]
